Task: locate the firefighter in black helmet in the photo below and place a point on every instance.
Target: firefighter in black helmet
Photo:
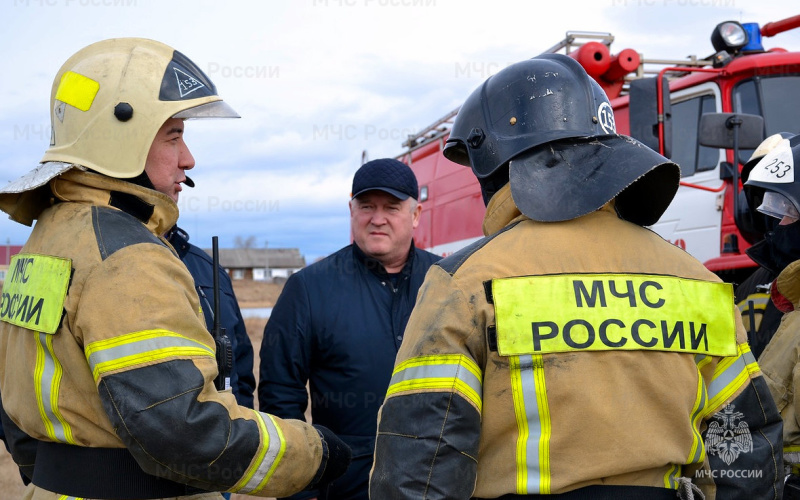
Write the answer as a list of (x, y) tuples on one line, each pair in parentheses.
[(572, 350), (773, 188)]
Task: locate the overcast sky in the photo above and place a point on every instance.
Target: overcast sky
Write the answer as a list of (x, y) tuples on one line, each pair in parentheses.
[(318, 82)]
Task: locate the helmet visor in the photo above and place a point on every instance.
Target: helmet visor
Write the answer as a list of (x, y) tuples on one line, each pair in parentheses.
[(216, 109), (778, 206)]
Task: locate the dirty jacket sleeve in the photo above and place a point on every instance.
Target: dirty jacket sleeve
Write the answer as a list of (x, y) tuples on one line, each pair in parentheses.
[(154, 366), (429, 425)]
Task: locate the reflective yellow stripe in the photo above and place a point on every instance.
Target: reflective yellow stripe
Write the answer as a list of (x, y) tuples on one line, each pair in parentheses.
[(47, 384), (791, 458), (443, 372), (34, 291), (698, 451), (601, 312), (522, 424), (65, 497), (244, 484), (671, 477), (268, 459), (702, 360), (759, 303), (534, 427), (277, 448), (139, 348), (759, 300), (77, 90), (544, 415), (729, 376)]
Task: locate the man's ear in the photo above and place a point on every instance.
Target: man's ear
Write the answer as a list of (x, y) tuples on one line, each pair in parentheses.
[(415, 215)]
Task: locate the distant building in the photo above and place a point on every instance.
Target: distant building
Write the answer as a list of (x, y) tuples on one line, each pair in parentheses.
[(260, 264), (6, 252)]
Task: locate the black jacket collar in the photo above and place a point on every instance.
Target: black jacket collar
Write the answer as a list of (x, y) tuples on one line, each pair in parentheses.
[(374, 266)]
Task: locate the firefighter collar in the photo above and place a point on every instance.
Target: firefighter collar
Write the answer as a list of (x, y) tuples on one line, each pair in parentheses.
[(788, 284), (500, 211)]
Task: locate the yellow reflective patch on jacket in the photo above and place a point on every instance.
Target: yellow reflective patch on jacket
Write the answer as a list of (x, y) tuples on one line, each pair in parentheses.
[(604, 312), (77, 90), (34, 291)]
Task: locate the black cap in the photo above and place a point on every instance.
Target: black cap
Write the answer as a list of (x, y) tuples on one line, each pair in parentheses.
[(388, 175)]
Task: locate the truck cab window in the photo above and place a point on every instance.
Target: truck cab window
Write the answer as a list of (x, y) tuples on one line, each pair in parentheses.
[(774, 98), (686, 150)]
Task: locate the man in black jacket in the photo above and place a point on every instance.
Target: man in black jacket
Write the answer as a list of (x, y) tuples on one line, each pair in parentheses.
[(339, 323)]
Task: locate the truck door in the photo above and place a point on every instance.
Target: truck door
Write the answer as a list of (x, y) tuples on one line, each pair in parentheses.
[(693, 219)]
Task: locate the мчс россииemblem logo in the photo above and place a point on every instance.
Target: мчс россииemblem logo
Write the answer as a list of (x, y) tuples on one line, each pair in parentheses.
[(728, 435)]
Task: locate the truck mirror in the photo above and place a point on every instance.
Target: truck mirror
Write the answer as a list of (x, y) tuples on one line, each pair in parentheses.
[(717, 130), (733, 131), (644, 117)]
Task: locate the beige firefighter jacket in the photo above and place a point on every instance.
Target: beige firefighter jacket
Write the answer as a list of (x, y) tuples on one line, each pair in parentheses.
[(461, 420), (780, 363), (130, 362)]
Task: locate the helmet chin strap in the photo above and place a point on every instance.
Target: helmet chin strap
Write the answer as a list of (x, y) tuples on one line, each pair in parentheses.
[(142, 180)]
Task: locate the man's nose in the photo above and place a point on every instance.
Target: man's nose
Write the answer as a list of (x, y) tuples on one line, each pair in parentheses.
[(186, 158), (379, 217)]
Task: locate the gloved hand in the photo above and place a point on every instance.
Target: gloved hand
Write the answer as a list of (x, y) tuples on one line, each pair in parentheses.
[(336, 456)]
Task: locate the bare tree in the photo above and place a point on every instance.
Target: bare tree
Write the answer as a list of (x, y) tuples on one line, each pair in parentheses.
[(249, 242)]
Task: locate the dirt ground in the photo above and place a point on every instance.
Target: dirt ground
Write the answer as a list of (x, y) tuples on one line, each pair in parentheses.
[(249, 294)]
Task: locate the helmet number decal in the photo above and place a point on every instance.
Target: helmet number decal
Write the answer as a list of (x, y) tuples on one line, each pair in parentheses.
[(187, 83), (777, 166), (605, 116)]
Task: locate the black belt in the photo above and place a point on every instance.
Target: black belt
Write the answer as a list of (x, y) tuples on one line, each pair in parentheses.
[(604, 493), (110, 473)]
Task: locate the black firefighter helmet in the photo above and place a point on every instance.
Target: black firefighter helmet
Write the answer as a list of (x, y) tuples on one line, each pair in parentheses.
[(546, 126)]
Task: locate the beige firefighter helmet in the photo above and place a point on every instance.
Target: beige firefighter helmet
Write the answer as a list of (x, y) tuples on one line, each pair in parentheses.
[(107, 103), (109, 100)]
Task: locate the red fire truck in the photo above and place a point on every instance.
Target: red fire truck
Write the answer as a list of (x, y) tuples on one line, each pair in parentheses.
[(695, 116)]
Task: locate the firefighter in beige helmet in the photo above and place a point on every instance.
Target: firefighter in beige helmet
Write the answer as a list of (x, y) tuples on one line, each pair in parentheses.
[(571, 352), (107, 370)]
